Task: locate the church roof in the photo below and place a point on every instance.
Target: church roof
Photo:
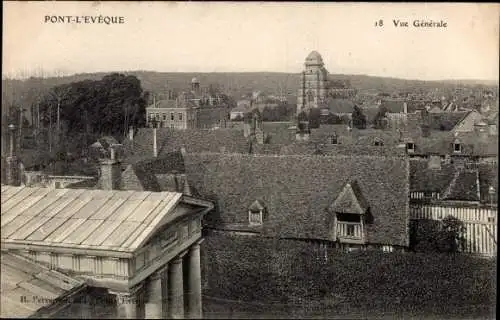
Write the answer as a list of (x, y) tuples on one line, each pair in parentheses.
[(314, 58)]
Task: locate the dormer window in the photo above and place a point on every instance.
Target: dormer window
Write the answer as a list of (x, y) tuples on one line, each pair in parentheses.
[(457, 146), (378, 142), (350, 211), (256, 213), (333, 139), (410, 147)]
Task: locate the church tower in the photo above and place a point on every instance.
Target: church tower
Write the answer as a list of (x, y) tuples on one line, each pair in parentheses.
[(313, 84)]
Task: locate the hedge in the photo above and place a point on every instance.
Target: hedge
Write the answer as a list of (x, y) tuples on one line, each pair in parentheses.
[(269, 275)]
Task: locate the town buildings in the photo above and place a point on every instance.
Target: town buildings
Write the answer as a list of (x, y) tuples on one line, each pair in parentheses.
[(315, 86), (196, 108), (98, 252)]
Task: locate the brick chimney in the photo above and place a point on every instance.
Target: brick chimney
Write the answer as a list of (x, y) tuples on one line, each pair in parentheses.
[(111, 170), (131, 133), (155, 145), (12, 170)]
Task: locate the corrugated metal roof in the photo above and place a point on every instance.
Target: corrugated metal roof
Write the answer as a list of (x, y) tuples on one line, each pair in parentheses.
[(21, 277), (100, 219)]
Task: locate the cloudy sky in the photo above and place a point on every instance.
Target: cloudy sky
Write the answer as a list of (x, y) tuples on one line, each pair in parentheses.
[(252, 36)]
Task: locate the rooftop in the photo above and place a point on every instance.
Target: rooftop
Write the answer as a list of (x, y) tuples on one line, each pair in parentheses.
[(118, 221), (24, 278)]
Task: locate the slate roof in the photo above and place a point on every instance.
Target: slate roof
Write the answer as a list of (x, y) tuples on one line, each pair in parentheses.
[(454, 183), (22, 277), (393, 106), (340, 106), (193, 140), (445, 121), (298, 190), (154, 174), (78, 218)]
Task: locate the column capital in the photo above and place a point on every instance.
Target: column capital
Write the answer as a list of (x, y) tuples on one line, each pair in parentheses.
[(178, 258), (130, 292)]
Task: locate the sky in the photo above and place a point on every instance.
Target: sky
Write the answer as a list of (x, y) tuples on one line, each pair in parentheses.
[(253, 37)]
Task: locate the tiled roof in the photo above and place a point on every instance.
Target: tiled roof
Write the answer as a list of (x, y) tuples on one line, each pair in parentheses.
[(464, 187), (165, 173), (393, 106), (77, 218), (445, 120), (298, 190), (455, 183), (423, 179), (38, 284), (351, 200), (340, 106), (488, 177), (192, 140)]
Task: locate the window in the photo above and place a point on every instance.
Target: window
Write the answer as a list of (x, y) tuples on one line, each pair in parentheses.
[(379, 142), (457, 147), (180, 116), (172, 116), (350, 230), (333, 139), (491, 219), (410, 147), (164, 117), (58, 184), (255, 217), (310, 96)]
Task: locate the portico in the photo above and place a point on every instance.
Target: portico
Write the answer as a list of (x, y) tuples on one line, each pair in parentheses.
[(143, 247), (166, 292)]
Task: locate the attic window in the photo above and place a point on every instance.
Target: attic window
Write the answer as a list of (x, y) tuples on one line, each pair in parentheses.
[(333, 139), (379, 142), (410, 147), (457, 147), (255, 213)]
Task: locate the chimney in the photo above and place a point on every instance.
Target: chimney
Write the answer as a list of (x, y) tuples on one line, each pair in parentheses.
[(155, 147), (111, 170), (131, 133), (183, 152), (13, 172), (187, 189)]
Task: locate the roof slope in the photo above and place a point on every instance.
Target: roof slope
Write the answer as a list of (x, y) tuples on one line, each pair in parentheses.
[(78, 218), (193, 140), (21, 277), (298, 190)]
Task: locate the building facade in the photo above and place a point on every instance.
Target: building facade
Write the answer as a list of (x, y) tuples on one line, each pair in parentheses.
[(195, 109), (315, 87)]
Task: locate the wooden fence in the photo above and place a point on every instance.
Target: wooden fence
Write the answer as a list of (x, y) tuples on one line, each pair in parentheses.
[(480, 224)]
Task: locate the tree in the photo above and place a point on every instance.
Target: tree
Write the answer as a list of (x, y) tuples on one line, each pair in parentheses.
[(380, 119), (358, 118), (107, 106), (302, 116), (450, 238), (314, 118), (331, 118)]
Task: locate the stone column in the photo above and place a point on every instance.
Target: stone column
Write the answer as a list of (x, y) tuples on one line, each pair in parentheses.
[(127, 304), (176, 284), (155, 296), (194, 282)]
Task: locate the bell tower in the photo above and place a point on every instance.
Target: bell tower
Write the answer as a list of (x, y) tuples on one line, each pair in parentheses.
[(314, 84)]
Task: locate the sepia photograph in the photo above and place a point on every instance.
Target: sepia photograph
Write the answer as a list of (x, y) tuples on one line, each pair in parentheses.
[(249, 160)]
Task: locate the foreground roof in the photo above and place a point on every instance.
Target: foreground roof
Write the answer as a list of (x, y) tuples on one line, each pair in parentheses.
[(79, 218), (21, 277), (298, 190)]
